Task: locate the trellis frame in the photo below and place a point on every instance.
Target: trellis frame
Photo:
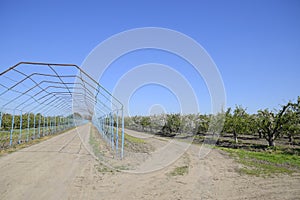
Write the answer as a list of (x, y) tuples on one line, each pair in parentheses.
[(57, 97)]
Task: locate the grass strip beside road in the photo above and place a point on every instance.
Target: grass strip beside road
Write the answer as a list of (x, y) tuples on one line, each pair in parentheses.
[(17, 147), (133, 139), (265, 163)]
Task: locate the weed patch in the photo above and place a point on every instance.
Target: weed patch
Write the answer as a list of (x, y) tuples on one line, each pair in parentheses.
[(265, 163), (180, 171)]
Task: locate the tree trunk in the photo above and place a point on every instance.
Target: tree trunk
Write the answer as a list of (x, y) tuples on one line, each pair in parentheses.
[(235, 137), (271, 142), (259, 134), (291, 139)]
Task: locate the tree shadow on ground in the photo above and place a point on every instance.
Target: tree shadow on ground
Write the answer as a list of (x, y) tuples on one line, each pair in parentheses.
[(167, 135)]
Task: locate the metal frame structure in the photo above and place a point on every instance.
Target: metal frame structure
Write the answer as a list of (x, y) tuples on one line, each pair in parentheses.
[(38, 99)]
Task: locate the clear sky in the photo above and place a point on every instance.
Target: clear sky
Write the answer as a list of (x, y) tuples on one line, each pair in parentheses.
[(254, 43)]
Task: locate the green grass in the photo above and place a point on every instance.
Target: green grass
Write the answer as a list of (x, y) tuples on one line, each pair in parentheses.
[(265, 163), (5, 134), (95, 144), (103, 169), (17, 147), (134, 139), (130, 138), (180, 171), (122, 167)]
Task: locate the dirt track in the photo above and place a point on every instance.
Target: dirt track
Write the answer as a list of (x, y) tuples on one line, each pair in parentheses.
[(61, 168)]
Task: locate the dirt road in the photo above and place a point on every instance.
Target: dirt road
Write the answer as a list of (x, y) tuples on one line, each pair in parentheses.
[(61, 168)]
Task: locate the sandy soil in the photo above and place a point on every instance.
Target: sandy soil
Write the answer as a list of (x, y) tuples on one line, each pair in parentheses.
[(63, 168)]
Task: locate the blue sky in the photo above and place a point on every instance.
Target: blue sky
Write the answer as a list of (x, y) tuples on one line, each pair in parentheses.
[(255, 44)]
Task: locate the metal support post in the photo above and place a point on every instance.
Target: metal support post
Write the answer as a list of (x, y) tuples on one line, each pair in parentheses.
[(28, 127), (20, 134), (12, 129)]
